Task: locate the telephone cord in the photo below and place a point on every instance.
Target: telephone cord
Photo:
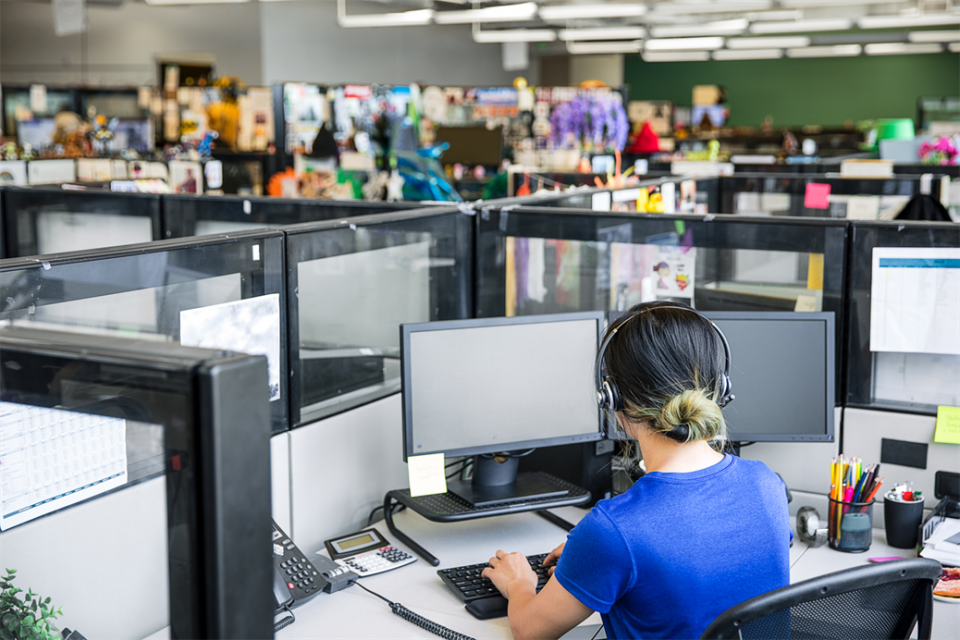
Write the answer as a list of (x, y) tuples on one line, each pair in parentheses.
[(286, 622), (420, 621)]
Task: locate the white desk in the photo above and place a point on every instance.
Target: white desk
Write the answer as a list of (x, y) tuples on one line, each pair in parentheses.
[(354, 613), (811, 563)]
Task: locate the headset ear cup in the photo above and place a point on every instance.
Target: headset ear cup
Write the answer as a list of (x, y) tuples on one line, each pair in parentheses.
[(612, 395)]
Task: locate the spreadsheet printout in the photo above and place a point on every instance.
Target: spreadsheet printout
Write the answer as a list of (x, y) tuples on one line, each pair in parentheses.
[(915, 300), (52, 458)]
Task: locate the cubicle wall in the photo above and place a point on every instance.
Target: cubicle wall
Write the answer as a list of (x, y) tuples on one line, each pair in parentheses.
[(190, 215), (50, 220)]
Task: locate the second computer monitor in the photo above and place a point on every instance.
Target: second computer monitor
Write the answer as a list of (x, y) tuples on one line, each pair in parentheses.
[(492, 385)]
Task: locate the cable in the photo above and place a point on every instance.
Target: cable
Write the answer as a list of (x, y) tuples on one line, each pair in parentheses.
[(420, 621), (396, 507), (286, 622), (597, 633)]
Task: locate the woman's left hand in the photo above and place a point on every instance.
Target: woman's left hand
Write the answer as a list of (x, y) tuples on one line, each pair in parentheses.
[(509, 572)]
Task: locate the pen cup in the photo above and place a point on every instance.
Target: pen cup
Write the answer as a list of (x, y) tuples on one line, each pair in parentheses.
[(850, 525), (901, 520)]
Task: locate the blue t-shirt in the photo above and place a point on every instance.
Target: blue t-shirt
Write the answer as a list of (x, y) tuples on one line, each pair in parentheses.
[(665, 558)]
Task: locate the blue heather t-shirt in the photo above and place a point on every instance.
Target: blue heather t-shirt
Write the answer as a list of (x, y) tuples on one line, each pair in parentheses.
[(665, 558)]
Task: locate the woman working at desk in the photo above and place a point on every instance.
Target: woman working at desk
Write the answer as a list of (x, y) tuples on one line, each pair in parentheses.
[(698, 534)]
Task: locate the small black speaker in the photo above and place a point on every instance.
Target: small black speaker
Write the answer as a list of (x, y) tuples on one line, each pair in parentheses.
[(588, 465)]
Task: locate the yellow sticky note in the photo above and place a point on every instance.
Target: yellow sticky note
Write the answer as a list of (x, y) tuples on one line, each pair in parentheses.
[(815, 271), (426, 475), (948, 425)]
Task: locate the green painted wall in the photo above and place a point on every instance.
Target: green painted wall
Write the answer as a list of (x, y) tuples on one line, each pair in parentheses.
[(824, 91)]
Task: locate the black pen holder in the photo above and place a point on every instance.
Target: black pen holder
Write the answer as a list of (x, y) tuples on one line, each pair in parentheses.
[(850, 525), (901, 521)]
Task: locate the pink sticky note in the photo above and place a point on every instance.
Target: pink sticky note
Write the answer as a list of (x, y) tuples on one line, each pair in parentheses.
[(818, 196)]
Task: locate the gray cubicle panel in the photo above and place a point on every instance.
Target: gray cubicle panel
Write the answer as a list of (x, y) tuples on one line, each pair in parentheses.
[(914, 381), (223, 291), (532, 261), (48, 220), (197, 215), (785, 194), (351, 283), (3, 242), (135, 473)]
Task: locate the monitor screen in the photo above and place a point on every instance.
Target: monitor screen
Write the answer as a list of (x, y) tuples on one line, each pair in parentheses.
[(782, 372), (499, 384), (471, 145)]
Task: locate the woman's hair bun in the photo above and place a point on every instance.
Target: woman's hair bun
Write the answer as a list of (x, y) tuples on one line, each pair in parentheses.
[(689, 416)]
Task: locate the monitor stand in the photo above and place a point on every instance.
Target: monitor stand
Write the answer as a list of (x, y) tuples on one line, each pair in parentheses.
[(496, 481)]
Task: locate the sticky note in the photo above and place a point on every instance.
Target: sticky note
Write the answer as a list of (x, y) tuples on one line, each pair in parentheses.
[(426, 475), (805, 302), (948, 425), (815, 271), (817, 196)]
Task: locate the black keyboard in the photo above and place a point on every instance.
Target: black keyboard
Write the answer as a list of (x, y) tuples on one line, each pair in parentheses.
[(471, 588)]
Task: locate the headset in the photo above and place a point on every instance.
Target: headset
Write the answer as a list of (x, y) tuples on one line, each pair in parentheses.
[(608, 394)]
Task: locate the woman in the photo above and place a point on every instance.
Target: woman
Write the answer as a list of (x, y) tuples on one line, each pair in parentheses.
[(700, 532)]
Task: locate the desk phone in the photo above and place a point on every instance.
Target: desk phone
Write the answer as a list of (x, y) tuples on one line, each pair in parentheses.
[(367, 553)]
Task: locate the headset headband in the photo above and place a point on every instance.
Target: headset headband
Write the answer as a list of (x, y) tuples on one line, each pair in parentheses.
[(608, 393)]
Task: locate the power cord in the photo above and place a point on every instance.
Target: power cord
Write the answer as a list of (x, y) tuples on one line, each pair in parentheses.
[(286, 622), (420, 621)]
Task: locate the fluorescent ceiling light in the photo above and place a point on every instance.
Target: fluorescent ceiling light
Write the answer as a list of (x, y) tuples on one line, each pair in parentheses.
[(898, 48), (720, 28), (170, 2), (893, 22), (748, 54), (515, 35), (610, 33), (606, 10), (954, 47), (756, 16), (676, 44), (934, 36), (675, 56), (803, 4), (400, 19), (801, 26), (765, 43), (720, 6), (580, 48), (502, 13), (836, 51)]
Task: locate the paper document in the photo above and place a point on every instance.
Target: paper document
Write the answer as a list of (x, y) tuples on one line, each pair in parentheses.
[(915, 300), (52, 458)]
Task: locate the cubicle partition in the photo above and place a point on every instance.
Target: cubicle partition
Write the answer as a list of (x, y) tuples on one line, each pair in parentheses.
[(49, 220), (351, 283), (221, 292), (533, 261), (114, 508), (903, 337), (191, 215)]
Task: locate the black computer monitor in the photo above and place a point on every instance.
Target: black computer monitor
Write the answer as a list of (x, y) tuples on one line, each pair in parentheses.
[(499, 385), (782, 374), (474, 145)]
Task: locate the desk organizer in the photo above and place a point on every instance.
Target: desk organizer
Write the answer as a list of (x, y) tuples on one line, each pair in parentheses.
[(851, 525), (447, 507)]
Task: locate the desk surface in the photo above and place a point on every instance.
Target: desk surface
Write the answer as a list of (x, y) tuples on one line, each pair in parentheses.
[(354, 613)]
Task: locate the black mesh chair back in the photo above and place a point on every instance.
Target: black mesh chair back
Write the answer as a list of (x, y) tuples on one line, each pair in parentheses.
[(869, 603)]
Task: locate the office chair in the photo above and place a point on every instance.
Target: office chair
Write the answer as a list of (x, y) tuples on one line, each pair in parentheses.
[(869, 602)]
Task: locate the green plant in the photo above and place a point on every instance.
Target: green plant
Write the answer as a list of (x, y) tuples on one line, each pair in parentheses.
[(26, 619)]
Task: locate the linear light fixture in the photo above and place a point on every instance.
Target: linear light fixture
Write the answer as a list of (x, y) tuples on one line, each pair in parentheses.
[(783, 42), (173, 2), (804, 4), (515, 35), (954, 47), (399, 19), (900, 48), (836, 51), (720, 6), (772, 16), (675, 56), (748, 54), (893, 22), (502, 13), (581, 48), (934, 36), (801, 26), (608, 33), (678, 44), (606, 10), (719, 28)]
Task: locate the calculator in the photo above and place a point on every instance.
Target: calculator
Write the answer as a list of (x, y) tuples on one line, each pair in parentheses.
[(367, 553)]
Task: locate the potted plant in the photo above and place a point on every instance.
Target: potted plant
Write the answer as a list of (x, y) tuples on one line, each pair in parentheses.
[(27, 618)]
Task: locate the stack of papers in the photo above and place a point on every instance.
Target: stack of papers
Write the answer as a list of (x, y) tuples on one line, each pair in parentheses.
[(944, 543)]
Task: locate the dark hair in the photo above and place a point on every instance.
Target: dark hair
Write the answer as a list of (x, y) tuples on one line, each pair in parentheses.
[(668, 364)]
